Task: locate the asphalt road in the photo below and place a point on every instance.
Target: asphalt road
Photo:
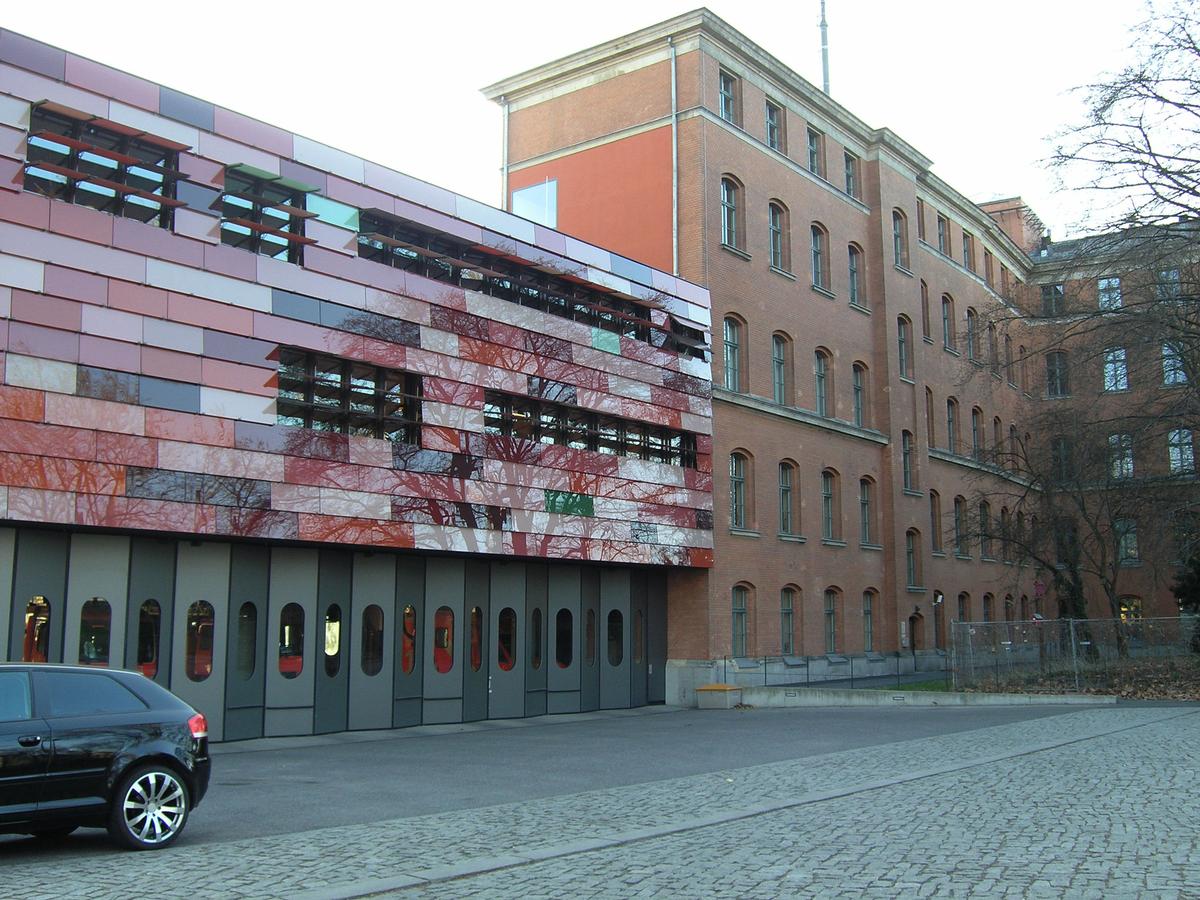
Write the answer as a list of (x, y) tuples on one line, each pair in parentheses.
[(278, 787)]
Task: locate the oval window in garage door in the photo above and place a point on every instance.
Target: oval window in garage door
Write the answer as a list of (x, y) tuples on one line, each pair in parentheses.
[(506, 638), (198, 647), (291, 640)]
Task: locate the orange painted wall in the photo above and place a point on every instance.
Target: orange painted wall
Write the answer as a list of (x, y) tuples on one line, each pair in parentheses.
[(617, 195)]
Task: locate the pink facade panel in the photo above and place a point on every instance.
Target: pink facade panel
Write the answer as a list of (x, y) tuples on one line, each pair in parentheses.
[(438, 408)]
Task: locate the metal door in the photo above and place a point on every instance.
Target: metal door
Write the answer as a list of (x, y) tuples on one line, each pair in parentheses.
[(373, 606), (506, 672), (331, 701), (246, 642), (563, 664), (614, 639), (590, 632), (410, 651), (151, 606), (445, 587)]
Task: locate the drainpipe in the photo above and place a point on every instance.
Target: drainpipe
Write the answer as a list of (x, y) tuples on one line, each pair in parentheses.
[(674, 165), (504, 154)]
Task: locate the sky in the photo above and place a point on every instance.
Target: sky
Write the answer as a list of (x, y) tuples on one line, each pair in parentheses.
[(977, 87)]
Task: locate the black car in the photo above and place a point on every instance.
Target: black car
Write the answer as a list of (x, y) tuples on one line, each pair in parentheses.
[(98, 747)]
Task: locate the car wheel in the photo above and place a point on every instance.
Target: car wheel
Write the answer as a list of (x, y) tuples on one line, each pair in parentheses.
[(149, 809)]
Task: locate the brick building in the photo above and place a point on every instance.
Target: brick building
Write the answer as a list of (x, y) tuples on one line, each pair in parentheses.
[(875, 367), (316, 444)]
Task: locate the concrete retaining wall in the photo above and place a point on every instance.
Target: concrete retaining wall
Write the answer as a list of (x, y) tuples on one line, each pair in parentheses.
[(789, 697)]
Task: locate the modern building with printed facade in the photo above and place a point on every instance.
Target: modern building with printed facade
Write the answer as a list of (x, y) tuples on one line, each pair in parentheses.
[(876, 362), (316, 444)]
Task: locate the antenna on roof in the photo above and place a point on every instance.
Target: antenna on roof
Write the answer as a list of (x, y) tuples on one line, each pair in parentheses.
[(824, 48)]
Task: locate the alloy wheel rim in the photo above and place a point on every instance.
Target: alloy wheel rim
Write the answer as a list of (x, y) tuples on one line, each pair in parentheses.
[(154, 807)]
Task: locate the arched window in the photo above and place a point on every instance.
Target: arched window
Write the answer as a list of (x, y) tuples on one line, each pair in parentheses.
[(1058, 382), (789, 508), (977, 433), (1009, 372), (925, 326), (900, 238), (731, 219), (781, 368), (820, 251), (779, 236), (739, 490), (935, 521), (952, 425), (787, 620), (831, 512), (739, 599), (1023, 356), (855, 283), (831, 610), (949, 338), (906, 459), (985, 530), (972, 335), (866, 525), (912, 557), (964, 606), (904, 350), (822, 383), (735, 377), (997, 439), (993, 350), (960, 526), (987, 607), (862, 395), (1005, 534)]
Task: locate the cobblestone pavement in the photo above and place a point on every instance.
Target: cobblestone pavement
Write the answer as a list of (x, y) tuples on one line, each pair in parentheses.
[(1102, 802)]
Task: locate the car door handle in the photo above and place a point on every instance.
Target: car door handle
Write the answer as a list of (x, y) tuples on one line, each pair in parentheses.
[(29, 740)]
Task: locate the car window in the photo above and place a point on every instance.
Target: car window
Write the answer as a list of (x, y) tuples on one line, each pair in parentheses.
[(84, 694), (14, 696)]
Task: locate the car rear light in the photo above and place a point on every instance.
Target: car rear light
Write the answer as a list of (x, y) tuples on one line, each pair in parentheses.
[(198, 726)]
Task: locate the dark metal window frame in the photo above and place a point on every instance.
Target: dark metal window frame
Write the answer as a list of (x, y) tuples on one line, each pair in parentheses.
[(108, 159), (539, 421), (412, 247), (299, 402), (264, 214)]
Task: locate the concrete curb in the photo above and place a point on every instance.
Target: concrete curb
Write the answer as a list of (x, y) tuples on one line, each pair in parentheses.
[(786, 697)]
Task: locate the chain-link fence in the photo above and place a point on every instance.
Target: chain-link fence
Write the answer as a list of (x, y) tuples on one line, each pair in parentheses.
[(1068, 655)]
